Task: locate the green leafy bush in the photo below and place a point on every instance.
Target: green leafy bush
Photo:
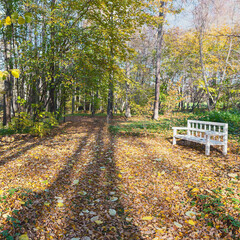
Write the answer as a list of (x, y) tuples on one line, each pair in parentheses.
[(44, 124), (21, 123), (41, 126), (230, 117)]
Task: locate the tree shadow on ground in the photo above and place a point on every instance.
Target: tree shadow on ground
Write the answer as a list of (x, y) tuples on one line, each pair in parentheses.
[(103, 196), (19, 150), (200, 148), (82, 208)]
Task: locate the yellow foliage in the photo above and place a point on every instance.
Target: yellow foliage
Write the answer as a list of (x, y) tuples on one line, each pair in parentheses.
[(15, 73), (21, 20), (8, 21)]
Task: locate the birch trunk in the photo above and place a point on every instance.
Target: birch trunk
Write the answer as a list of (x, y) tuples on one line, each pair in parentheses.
[(158, 60)]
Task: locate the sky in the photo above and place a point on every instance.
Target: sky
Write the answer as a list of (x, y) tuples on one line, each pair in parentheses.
[(225, 12)]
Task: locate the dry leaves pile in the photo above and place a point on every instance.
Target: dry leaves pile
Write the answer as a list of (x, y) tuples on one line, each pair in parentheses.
[(84, 183)]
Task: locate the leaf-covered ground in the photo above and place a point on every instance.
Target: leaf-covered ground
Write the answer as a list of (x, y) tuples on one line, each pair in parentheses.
[(84, 183)]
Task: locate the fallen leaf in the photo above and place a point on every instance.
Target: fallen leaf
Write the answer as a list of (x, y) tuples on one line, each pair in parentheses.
[(60, 204), (86, 238), (148, 218), (24, 237), (83, 193), (112, 212), (177, 224), (195, 190), (75, 182), (94, 219), (190, 213), (232, 175), (191, 222), (113, 199)]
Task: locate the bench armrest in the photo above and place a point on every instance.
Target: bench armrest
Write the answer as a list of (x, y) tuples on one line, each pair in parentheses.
[(180, 128)]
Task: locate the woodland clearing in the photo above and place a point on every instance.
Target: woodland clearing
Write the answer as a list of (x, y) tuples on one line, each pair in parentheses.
[(86, 182)]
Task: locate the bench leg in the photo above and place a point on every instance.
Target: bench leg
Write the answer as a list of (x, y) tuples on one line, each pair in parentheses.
[(174, 138), (207, 147), (225, 140), (225, 149)]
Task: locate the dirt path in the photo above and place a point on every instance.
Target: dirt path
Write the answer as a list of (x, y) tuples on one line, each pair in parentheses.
[(84, 183)]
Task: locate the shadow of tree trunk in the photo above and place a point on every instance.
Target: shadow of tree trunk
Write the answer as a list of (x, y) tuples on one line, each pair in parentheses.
[(77, 205)]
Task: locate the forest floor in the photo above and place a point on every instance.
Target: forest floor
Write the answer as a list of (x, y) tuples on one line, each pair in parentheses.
[(84, 182)]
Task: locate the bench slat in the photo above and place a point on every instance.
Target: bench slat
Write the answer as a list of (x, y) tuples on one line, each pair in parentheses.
[(209, 123), (199, 140)]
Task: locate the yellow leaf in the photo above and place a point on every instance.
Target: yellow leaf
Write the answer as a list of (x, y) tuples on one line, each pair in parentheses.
[(8, 21), (1, 192), (191, 222), (14, 15), (148, 218), (98, 222), (119, 175), (22, 202), (47, 204), (15, 73), (60, 204), (24, 237), (21, 20), (195, 190)]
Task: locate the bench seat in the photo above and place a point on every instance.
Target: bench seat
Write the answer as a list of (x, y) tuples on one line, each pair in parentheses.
[(199, 140)]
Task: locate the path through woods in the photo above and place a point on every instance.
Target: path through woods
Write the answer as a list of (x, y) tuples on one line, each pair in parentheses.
[(84, 183)]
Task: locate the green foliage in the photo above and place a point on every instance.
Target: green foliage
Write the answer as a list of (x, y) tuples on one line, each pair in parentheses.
[(212, 203), (230, 117), (6, 131), (21, 123), (44, 124), (12, 218), (41, 126)]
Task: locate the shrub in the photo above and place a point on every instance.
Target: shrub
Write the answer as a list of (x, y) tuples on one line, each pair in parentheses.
[(232, 118), (41, 126), (21, 123), (44, 124)]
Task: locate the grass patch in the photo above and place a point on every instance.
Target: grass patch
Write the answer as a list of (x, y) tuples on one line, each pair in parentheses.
[(148, 126), (6, 131), (87, 114), (165, 123)]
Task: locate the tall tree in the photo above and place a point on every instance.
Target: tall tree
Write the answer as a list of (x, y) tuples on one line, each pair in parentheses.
[(162, 13)]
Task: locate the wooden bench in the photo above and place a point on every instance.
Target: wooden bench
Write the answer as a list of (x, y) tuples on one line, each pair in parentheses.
[(207, 133)]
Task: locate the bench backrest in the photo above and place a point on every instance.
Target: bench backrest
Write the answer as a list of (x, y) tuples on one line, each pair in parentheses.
[(197, 128)]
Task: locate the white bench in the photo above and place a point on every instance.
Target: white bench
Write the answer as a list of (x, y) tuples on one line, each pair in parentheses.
[(207, 133)]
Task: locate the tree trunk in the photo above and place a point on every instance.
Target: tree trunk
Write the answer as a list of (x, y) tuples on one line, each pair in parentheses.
[(128, 109), (52, 102), (73, 101), (110, 100), (209, 96), (158, 60), (7, 105)]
